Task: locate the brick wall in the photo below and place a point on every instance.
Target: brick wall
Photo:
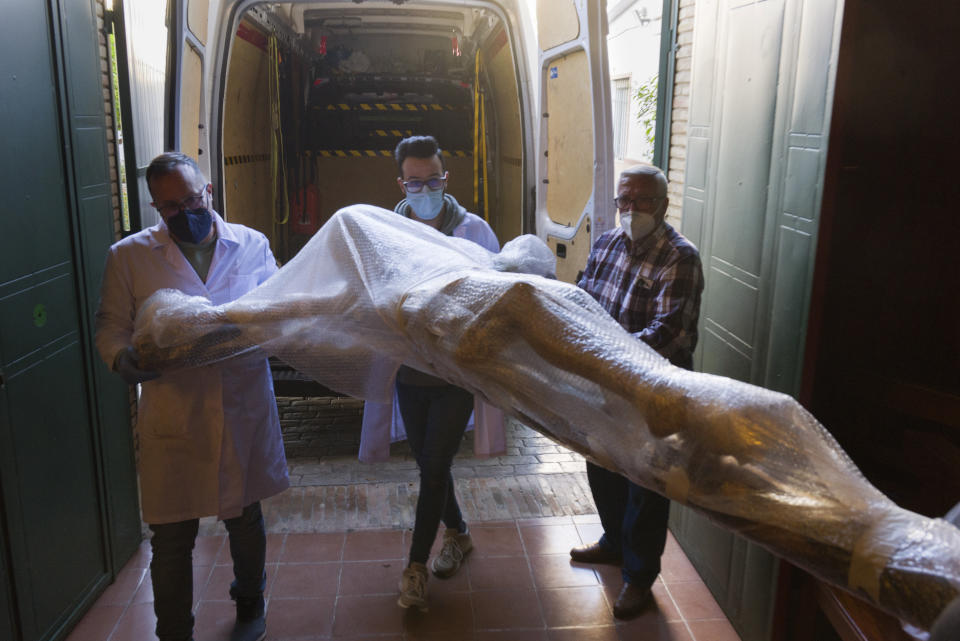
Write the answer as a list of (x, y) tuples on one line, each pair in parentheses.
[(108, 110), (320, 426), (112, 156), (681, 112)]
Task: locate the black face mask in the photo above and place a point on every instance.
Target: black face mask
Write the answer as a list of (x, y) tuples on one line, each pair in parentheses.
[(191, 225)]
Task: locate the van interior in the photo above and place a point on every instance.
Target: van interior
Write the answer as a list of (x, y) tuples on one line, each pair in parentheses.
[(317, 96)]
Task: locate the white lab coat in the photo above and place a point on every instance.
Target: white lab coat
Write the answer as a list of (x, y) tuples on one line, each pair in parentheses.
[(382, 423), (210, 440)]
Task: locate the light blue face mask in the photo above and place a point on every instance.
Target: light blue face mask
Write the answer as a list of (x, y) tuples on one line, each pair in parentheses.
[(426, 204)]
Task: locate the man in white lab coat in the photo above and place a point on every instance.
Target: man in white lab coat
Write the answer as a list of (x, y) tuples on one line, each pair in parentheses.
[(209, 437)]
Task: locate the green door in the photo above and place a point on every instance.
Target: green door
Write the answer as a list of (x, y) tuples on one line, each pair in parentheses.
[(64, 431), (762, 85)]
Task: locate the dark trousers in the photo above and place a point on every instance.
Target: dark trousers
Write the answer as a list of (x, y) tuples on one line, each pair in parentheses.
[(435, 417), (634, 520), (171, 569)]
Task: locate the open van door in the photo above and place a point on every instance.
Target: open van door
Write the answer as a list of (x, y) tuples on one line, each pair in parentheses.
[(575, 163), (186, 124)]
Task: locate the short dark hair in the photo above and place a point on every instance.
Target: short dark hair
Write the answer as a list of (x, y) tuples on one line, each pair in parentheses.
[(167, 162), (418, 147)]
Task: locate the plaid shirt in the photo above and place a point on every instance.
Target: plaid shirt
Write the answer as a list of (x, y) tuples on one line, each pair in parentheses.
[(651, 288)]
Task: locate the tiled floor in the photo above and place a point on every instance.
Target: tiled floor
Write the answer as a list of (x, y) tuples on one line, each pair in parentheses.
[(517, 585)]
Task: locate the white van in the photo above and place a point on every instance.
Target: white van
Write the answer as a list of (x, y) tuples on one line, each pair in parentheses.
[(294, 109)]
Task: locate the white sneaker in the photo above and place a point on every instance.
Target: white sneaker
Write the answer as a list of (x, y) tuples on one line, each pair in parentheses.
[(413, 587), (455, 547)]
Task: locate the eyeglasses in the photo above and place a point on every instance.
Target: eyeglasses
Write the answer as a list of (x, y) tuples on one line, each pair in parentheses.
[(172, 208), (640, 204), (416, 186)]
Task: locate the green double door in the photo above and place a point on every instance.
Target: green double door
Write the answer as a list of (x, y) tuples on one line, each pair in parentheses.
[(68, 499), (760, 105)]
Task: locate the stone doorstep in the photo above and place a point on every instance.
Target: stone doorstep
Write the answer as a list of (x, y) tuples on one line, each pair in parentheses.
[(332, 491), (386, 505)]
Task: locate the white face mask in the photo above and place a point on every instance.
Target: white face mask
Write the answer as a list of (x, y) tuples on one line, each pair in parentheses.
[(637, 225), (426, 204)]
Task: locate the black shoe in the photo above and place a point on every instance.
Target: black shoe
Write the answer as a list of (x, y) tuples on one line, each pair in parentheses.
[(595, 553), (632, 601), (251, 622)]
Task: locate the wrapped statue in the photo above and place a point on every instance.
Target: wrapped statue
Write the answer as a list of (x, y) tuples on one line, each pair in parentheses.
[(372, 288)]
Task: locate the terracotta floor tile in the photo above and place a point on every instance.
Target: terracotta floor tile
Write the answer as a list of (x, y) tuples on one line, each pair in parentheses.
[(713, 630), (370, 577), (586, 518), (141, 558), (511, 635), (582, 606), (611, 591), (590, 532), (360, 615), (661, 607), (374, 545), (302, 580), (496, 541), (272, 571), (549, 539), (313, 548), (676, 568), (653, 630), (476, 524), (506, 609), (555, 571), (274, 549), (214, 620), (144, 593), (97, 624), (201, 576), (218, 586), (545, 520), (664, 602), (123, 588), (450, 617), (494, 597), (612, 581), (597, 633), (500, 573), (694, 601), (275, 545), (672, 547), (607, 574), (459, 582), (136, 624), (207, 548), (290, 618)]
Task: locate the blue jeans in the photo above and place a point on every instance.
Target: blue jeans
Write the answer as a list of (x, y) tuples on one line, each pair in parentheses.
[(171, 569), (634, 520), (435, 417)]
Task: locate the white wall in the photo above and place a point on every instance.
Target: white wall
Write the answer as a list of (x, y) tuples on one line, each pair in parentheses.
[(633, 49)]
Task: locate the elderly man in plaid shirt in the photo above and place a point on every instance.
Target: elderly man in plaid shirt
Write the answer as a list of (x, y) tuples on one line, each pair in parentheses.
[(649, 278)]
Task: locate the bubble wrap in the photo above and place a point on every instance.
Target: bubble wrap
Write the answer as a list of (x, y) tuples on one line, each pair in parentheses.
[(372, 290)]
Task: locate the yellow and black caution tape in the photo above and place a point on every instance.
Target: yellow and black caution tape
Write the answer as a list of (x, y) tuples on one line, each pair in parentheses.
[(394, 133), (243, 159), (370, 153), (391, 106)]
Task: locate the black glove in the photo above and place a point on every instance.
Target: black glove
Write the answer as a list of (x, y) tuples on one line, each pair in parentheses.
[(125, 364)]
